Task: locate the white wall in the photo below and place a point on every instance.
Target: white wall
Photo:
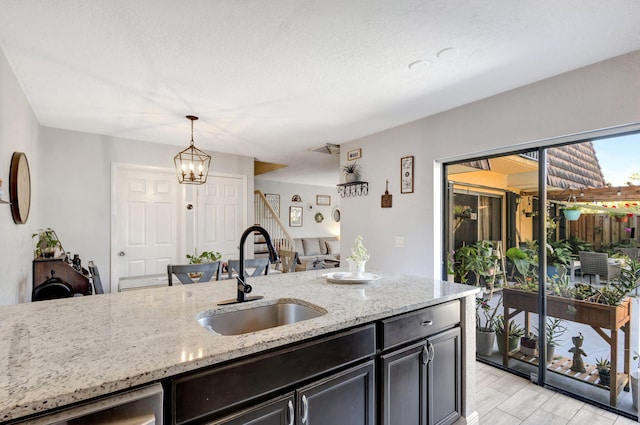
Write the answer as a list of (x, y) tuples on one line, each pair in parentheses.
[(603, 95), (76, 197), (18, 133), (308, 193)]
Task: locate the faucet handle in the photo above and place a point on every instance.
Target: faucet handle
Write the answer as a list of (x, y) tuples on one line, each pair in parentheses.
[(245, 288)]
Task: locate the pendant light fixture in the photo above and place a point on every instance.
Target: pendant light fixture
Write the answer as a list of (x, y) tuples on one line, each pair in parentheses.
[(192, 164)]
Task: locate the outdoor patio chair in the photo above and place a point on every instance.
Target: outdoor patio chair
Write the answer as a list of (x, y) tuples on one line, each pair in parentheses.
[(632, 253), (596, 264)]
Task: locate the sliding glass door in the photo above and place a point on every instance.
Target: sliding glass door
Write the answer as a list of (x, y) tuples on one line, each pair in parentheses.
[(559, 304)]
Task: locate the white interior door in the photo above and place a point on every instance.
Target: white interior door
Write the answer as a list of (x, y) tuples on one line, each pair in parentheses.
[(221, 212), (145, 222)]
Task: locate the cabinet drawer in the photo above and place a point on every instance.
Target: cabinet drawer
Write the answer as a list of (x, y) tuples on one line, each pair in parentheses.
[(203, 394), (419, 324)]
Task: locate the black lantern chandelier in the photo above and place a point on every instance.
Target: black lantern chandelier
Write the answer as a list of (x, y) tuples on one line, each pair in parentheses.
[(192, 164)]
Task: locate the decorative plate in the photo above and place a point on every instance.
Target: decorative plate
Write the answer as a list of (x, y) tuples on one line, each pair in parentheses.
[(346, 277)]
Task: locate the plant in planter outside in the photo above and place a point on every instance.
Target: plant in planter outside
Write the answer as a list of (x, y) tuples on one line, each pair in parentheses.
[(529, 345), (604, 370), (554, 329), (515, 332), (475, 263), (351, 171), (47, 244), (571, 212), (485, 334), (522, 260)]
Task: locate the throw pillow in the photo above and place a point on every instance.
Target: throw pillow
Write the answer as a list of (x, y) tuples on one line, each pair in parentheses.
[(311, 246), (333, 247)]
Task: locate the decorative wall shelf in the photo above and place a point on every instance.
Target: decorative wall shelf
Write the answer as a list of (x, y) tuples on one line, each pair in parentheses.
[(353, 189)]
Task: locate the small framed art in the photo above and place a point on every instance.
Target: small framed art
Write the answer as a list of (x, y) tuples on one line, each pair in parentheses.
[(274, 202), (323, 200), (354, 154), (295, 216), (406, 174)]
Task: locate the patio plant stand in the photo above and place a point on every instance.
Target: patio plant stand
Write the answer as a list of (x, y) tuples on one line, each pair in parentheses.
[(600, 317)]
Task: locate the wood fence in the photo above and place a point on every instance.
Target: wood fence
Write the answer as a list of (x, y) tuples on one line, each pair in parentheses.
[(602, 229)]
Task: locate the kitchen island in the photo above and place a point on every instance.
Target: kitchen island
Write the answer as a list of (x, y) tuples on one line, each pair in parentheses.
[(62, 352)]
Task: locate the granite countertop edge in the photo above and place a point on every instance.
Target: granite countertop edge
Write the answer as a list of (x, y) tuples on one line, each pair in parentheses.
[(62, 352)]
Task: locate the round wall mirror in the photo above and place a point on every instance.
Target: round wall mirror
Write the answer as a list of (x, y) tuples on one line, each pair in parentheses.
[(336, 215)]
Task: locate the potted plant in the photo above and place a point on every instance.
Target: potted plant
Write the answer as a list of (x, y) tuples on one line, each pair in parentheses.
[(529, 345), (619, 217), (47, 244), (604, 371), (571, 212), (359, 256), (351, 171), (554, 330), (515, 332), (204, 257), (485, 332)]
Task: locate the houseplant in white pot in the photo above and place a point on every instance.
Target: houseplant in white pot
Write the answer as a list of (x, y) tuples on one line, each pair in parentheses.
[(359, 256), (485, 333), (351, 172)]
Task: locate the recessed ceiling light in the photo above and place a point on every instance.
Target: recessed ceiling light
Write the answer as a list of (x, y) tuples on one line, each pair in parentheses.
[(421, 64), (448, 53)]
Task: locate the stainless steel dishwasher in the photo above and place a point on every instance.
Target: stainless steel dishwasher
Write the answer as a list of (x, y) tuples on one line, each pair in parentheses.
[(138, 407)]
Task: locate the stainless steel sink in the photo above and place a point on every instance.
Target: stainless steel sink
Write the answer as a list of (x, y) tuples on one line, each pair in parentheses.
[(257, 318)]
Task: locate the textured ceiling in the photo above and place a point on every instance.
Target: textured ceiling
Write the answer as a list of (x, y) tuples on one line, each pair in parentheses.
[(273, 79)]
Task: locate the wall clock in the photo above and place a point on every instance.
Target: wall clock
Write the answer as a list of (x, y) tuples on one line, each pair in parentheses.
[(20, 188)]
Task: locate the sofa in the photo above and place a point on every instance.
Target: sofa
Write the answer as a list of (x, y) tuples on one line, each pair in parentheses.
[(310, 250)]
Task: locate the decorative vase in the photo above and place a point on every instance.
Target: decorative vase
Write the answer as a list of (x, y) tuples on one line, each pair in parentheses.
[(356, 267), (351, 177), (571, 215), (484, 342)]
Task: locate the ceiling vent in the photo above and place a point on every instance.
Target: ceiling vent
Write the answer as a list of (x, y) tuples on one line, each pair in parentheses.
[(328, 148)]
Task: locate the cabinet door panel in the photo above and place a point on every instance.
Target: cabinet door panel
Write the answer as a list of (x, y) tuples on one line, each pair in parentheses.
[(274, 412), (344, 398), (444, 378), (404, 386)]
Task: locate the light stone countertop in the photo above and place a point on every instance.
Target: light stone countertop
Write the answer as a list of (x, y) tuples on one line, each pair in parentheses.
[(58, 352)]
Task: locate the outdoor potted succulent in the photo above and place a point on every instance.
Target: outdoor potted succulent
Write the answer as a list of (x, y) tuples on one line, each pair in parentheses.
[(48, 243), (515, 332), (571, 212), (604, 371), (485, 332), (351, 172), (554, 330), (529, 345)]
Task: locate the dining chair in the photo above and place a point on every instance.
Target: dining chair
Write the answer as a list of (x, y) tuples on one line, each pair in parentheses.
[(289, 260), (596, 264), (632, 253), (95, 278), (259, 266), (183, 272)]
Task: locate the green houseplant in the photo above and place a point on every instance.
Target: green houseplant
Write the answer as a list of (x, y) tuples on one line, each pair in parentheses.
[(604, 371), (351, 171), (47, 243), (571, 212), (204, 257), (485, 332), (515, 332)]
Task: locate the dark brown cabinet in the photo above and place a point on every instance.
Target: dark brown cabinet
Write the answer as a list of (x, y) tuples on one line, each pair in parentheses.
[(343, 398), (421, 380)]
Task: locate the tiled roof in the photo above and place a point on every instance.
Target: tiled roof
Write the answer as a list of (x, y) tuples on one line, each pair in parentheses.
[(574, 166)]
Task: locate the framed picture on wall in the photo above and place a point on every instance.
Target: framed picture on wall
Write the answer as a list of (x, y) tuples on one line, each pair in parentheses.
[(354, 154), (323, 200), (295, 216), (406, 174), (274, 202)]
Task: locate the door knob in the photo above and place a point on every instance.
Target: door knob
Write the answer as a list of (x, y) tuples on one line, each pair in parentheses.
[(122, 253)]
